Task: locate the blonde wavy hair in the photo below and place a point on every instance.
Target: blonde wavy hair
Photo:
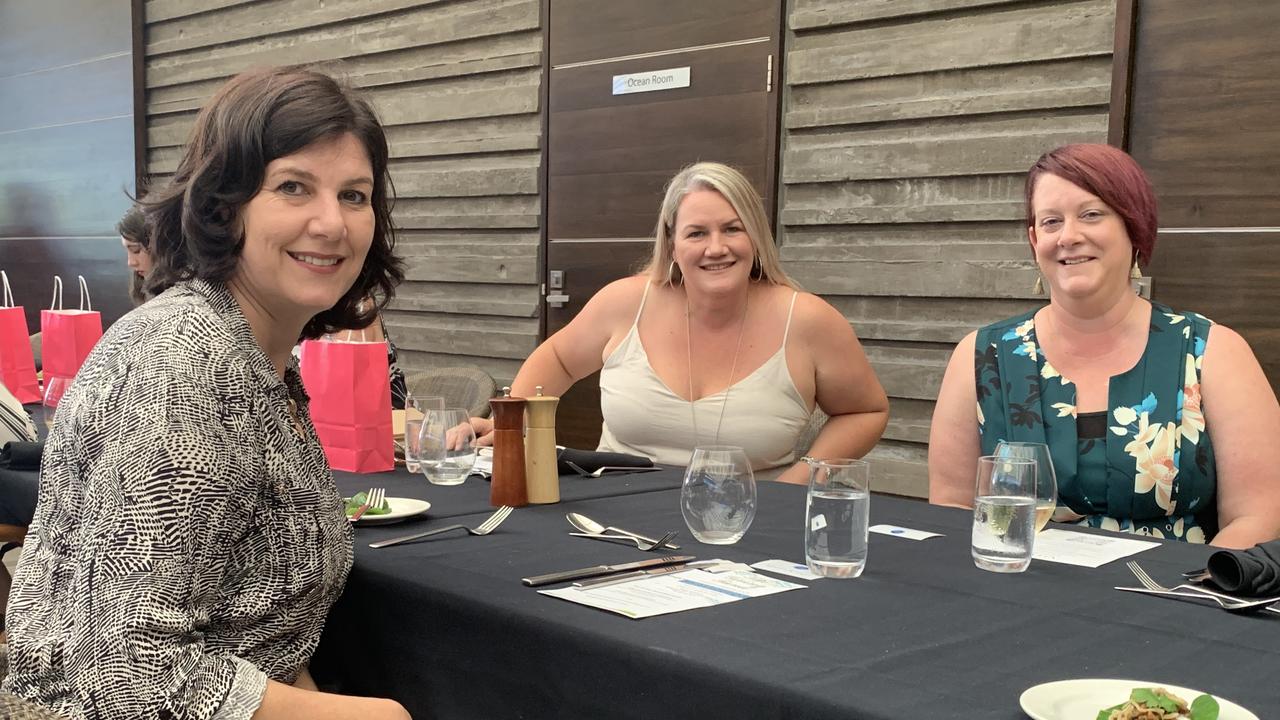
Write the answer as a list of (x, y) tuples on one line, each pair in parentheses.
[(746, 202)]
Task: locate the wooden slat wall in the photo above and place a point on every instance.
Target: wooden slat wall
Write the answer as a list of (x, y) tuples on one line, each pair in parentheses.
[(66, 150), (458, 86), (908, 127)]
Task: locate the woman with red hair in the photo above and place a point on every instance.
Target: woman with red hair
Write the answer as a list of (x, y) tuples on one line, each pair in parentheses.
[(1158, 422)]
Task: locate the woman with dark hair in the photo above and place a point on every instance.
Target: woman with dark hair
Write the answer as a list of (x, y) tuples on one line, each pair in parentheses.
[(1158, 421), (132, 229), (189, 539)]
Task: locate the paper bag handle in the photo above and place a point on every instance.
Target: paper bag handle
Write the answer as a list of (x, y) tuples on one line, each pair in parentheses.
[(8, 294), (56, 302), (86, 302)]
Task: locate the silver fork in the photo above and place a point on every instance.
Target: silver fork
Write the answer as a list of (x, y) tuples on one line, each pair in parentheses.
[(1226, 602), (372, 499), (640, 544), (608, 468), (489, 525)]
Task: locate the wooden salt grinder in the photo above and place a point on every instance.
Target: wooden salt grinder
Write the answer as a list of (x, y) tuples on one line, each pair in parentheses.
[(542, 475), (508, 484)]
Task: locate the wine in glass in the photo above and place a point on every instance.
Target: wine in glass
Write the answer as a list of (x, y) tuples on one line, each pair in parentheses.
[(1046, 480)]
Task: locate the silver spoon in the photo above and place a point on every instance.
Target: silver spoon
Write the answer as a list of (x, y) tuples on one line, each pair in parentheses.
[(591, 527)]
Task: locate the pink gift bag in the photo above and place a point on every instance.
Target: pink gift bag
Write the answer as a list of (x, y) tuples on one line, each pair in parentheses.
[(350, 403)]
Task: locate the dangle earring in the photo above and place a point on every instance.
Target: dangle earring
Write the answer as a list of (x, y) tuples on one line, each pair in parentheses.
[(757, 270), (1140, 283), (1038, 288), (671, 275)]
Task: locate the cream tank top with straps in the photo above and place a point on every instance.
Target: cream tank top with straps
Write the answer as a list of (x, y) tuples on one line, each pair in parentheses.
[(764, 414)]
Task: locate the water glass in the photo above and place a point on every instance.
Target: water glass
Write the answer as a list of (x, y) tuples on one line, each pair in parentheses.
[(837, 511), (1004, 513), (1046, 479), (413, 443), (54, 389), (413, 410), (447, 446), (718, 498)]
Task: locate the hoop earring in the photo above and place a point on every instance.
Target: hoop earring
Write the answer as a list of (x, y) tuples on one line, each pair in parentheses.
[(672, 280)]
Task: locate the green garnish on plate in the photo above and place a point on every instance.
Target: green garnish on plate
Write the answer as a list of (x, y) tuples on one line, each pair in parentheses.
[(355, 501), (1203, 707)]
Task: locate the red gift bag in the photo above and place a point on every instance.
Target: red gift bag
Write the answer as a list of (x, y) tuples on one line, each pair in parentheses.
[(350, 403), (17, 364), (67, 335)]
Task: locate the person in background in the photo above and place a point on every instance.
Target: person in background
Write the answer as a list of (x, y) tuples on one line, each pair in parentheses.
[(712, 344), (1158, 421), (189, 540), (133, 236)]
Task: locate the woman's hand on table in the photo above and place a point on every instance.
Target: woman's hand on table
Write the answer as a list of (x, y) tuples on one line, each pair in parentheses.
[(483, 428)]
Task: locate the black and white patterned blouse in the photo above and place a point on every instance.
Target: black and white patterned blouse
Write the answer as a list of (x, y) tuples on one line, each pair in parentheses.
[(189, 539)]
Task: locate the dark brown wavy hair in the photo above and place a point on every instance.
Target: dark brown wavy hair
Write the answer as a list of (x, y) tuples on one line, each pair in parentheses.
[(257, 117)]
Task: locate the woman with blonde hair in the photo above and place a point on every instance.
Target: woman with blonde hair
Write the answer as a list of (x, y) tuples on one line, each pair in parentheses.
[(712, 343)]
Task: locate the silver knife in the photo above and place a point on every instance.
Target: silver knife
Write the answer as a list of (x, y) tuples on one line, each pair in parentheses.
[(598, 570), (628, 576)]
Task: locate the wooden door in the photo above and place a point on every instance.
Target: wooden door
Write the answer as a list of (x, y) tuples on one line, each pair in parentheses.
[(1202, 123), (609, 155)]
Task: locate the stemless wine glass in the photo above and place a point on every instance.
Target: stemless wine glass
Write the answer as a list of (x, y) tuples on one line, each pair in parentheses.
[(54, 389), (413, 410), (718, 498), (1046, 480), (447, 446), (1004, 513)]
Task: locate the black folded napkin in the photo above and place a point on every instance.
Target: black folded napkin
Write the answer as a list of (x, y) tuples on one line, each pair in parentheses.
[(18, 455), (1255, 571), (592, 460)]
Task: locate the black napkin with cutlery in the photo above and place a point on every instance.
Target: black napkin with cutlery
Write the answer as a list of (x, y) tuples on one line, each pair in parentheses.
[(592, 460), (1255, 571)]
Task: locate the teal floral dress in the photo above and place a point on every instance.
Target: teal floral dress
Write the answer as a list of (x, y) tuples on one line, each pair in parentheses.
[(1152, 470)]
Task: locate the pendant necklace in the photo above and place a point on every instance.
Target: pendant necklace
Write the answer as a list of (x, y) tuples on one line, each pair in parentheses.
[(688, 333)]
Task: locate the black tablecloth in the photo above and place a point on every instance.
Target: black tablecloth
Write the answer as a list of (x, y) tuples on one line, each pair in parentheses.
[(446, 627)]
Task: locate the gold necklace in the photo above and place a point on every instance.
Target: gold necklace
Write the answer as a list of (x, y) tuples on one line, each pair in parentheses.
[(733, 369)]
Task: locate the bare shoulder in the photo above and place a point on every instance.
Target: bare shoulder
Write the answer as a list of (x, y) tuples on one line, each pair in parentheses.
[(965, 347), (1223, 340), (816, 318), (620, 298), (1227, 354)]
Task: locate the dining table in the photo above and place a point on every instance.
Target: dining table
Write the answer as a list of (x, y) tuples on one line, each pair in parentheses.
[(446, 627)]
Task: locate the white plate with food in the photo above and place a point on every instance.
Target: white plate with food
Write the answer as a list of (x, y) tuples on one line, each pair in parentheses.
[(1085, 698), (397, 509)]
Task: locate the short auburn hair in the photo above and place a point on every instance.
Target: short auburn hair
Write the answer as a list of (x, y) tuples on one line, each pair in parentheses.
[(257, 117), (1115, 178)]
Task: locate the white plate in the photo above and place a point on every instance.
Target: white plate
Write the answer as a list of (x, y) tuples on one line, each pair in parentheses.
[(401, 509), (1073, 699)]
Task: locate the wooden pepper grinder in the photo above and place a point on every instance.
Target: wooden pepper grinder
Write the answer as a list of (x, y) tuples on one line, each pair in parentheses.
[(541, 473), (508, 484)]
